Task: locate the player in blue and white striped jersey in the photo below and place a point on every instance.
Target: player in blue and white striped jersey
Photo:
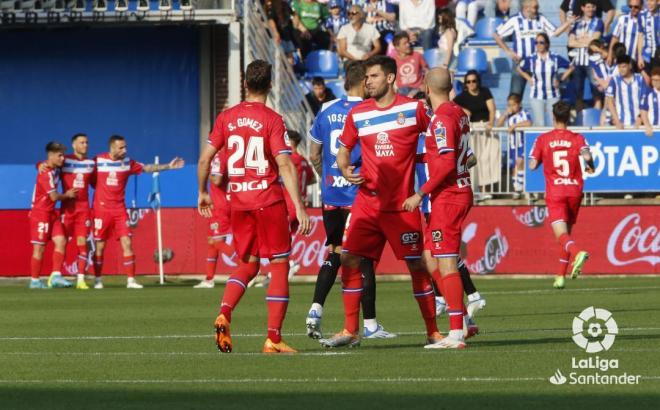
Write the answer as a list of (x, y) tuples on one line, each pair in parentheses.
[(624, 94), (516, 117), (629, 30), (651, 23), (650, 105), (523, 28), (584, 31)]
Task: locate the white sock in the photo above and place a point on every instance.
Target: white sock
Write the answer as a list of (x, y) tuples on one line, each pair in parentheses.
[(474, 296), (456, 334), (98, 279), (318, 308), (81, 277), (371, 324), (441, 299), (130, 280), (56, 273)]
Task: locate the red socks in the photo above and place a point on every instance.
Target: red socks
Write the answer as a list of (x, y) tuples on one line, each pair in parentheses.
[(564, 258), (58, 261), (98, 266), (568, 244), (129, 266), (82, 259), (211, 261), (35, 267), (437, 280), (277, 299), (236, 286), (351, 280), (423, 291), (452, 289)]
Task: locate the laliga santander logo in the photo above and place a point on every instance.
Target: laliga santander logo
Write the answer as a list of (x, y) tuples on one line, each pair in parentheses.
[(594, 328), (629, 237), (533, 217)]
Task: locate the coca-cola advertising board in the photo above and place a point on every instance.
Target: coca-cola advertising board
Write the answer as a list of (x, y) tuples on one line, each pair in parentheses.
[(496, 240)]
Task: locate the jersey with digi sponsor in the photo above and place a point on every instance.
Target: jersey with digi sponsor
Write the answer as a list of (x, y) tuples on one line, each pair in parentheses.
[(388, 137), (559, 150), (448, 136), (77, 173), (47, 182), (219, 193), (111, 179), (253, 135), (327, 127)]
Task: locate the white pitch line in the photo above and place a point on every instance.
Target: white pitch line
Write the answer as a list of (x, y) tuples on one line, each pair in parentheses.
[(183, 354), (535, 291)]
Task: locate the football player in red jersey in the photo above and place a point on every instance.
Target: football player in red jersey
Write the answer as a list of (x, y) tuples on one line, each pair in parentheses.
[(560, 151), (45, 223), (112, 172), (450, 187), (387, 126), (258, 153)]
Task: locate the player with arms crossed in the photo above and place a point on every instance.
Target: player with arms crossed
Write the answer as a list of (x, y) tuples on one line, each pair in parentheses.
[(112, 172), (45, 223), (338, 195), (258, 153), (450, 188), (387, 126), (560, 151)]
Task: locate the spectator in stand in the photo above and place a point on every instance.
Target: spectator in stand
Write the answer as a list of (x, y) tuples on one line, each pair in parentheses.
[(651, 24), (308, 18), (335, 21), (357, 40), (319, 95), (469, 9), (417, 17), (624, 94), (477, 101), (516, 117), (602, 73), (541, 71), (281, 25), (650, 105), (629, 31), (524, 27), (604, 11), (447, 38), (410, 66), (503, 9), (584, 31), (382, 15)]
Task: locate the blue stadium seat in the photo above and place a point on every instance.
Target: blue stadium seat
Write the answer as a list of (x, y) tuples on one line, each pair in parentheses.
[(472, 59), (432, 57), (589, 117), (458, 87), (337, 87), (484, 31), (322, 63)]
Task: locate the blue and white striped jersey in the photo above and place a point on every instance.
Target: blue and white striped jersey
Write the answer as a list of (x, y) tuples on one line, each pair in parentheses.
[(651, 104), (600, 68), (381, 5), (581, 28), (524, 32), (516, 137), (626, 30), (651, 24), (627, 96), (544, 70)]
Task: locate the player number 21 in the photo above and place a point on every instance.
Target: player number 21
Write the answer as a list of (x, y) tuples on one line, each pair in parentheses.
[(253, 157), (560, 162)]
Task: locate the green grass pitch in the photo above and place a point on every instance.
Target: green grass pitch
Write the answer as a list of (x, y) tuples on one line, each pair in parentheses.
[(154, 348)]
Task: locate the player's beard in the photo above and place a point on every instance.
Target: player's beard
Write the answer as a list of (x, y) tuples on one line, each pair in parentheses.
[(378, 93)]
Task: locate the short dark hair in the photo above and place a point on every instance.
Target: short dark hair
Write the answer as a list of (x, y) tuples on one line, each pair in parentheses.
[(561, 110), (546, 38), (114, 138), (469, 73), (596, 43), (355, 73), (387, 64), (624, 59), (78, 135), (399, 36), (619, 49), (517, 98), (294, 136), (419, 95), (318, 81), (655, 71), (53, 146), (258, 76), (585, 2)]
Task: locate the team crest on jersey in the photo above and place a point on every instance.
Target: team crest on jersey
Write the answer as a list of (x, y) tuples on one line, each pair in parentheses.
[(287, 141), (383, 146), (440, 134), (112, 179), (383, 138), (401, 118), (79, 182), (436, 236)]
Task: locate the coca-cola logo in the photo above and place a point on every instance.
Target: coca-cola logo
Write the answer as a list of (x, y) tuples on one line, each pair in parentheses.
[(495, 249), (135, 215), (310, 252), (630, 243), (533, 217)]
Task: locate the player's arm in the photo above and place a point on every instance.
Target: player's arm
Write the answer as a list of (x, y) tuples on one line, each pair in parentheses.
[(588, 160), (204, 203), (316, 157), (56, 196), (348, 140), (287, 171), (176, 163), (535, 156)]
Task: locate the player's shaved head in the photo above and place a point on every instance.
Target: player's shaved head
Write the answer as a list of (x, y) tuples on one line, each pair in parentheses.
[(438, 80)]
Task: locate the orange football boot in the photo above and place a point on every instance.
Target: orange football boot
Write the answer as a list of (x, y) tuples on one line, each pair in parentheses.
[(222, 336), (281, 347)]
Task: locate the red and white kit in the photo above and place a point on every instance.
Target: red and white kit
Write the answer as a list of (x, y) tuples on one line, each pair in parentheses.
[(79, 174), (560, 151), (305, 173), (219, 225), (44, 221)]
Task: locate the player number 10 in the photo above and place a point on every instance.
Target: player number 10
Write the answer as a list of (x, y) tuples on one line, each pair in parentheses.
[(253, 157)]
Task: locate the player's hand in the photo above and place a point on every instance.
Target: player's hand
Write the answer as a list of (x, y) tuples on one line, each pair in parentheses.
[(204, 204), (352, 177), (71, 193), (589, 170), (176, 163), (304, 223), (412, 203), (619, 126), (648, 131)]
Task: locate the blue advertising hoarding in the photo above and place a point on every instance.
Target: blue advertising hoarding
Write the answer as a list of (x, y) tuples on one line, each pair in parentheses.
[(625, 161)]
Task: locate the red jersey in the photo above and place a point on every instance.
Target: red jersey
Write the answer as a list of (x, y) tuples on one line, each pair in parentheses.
[(253, 135), (388, 138), (559, 150), (77, 173), (304, 171), (447, 144), (219, 193), (410, 70), (47, 182), (111, 178)]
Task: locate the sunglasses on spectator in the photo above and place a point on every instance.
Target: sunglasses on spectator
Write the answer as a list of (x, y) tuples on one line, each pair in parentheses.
[(353, 13), (470, 81), (540, 42), (635, 6)]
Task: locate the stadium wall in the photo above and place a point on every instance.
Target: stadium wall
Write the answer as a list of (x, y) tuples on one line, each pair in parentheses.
[(496, 240)]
